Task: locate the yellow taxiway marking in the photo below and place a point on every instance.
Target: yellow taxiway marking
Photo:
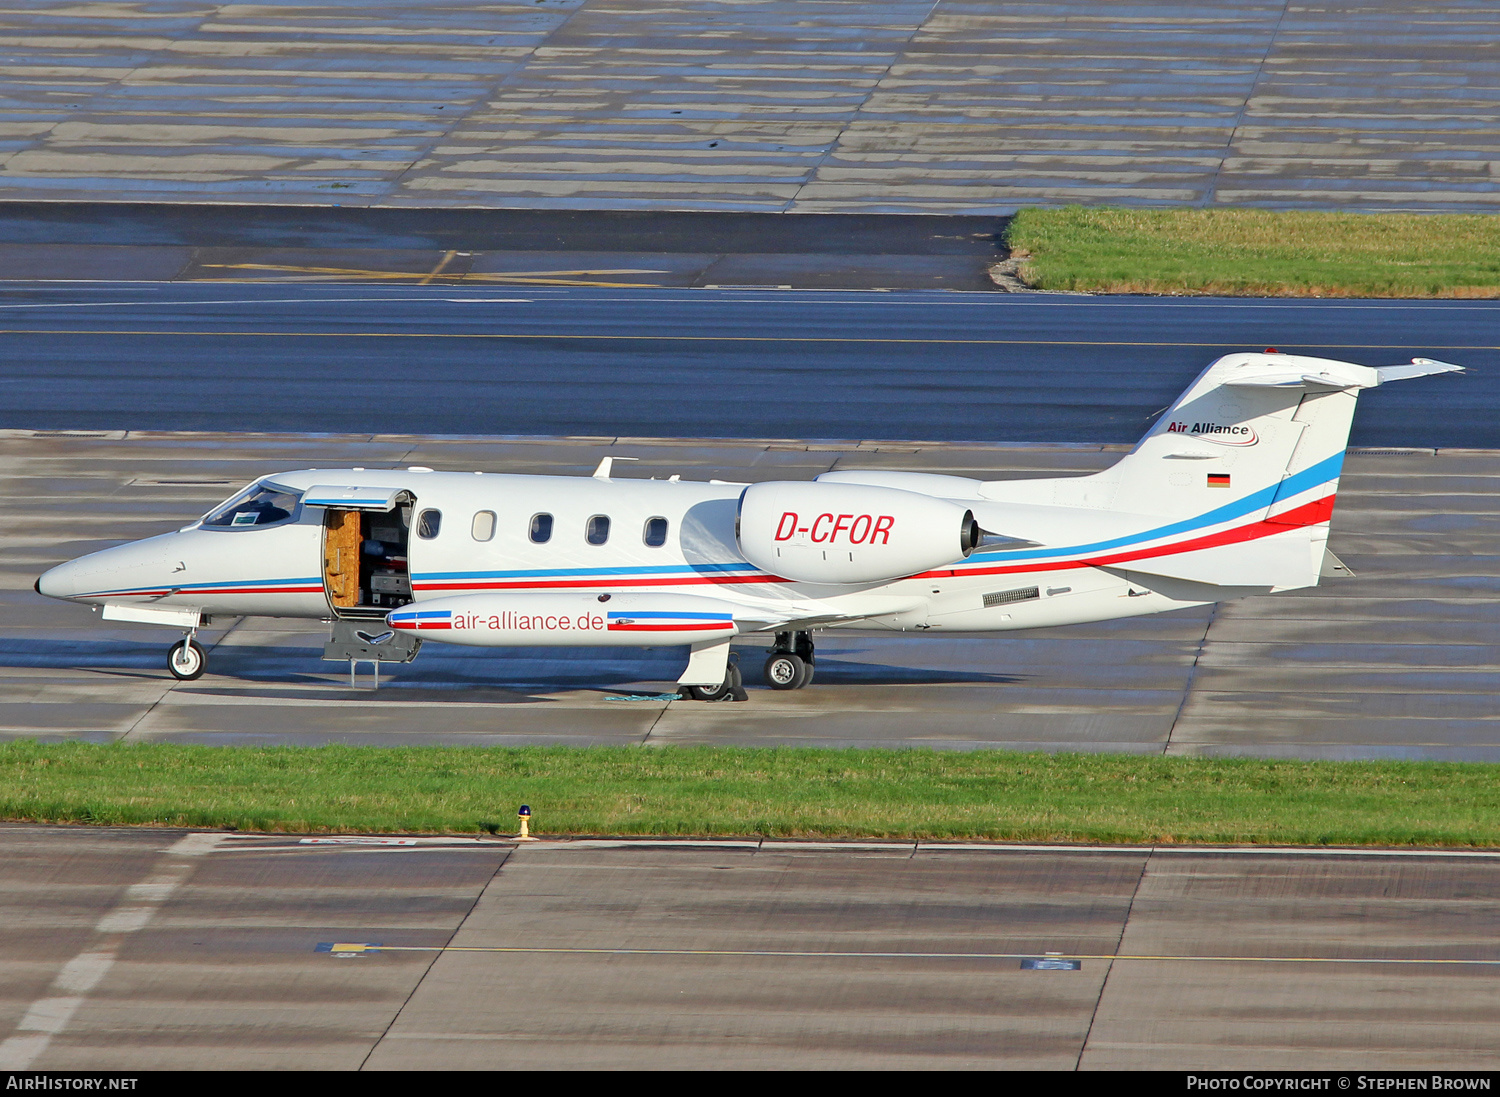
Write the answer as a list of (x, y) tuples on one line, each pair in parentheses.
[(512, 278), (697, 338), (771, 953), (437, 270)]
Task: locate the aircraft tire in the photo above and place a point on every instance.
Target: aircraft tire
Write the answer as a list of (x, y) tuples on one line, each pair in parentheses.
[(186, 660), (732, 685), (784, 670)]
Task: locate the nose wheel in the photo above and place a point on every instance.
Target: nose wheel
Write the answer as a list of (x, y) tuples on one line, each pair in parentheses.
[(789, 665), (731, 689), (186, 659)]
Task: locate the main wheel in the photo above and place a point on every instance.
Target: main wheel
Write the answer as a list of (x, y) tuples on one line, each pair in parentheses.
[(785, 670), (186, 660)]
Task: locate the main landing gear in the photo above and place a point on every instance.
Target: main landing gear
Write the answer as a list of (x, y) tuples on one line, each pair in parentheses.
[(789, 665), (186, 659)]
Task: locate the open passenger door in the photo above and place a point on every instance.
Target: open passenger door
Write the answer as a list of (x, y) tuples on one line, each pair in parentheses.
[(365, 535)]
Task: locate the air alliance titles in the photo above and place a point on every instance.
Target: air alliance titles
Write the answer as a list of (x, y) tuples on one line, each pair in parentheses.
[(1231, 434)]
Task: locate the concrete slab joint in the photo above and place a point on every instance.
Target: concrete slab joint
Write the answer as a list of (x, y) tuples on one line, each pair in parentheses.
[(914, 106)]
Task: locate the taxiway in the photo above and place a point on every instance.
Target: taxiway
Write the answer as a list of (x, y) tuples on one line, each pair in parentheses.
[(147, 949)]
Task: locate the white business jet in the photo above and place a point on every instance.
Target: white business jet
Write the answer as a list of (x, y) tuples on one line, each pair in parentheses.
[(1229, 494)]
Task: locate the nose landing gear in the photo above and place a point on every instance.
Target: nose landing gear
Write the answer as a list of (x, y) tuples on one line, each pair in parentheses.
[(789, 665), (186, 659), (731, 689)]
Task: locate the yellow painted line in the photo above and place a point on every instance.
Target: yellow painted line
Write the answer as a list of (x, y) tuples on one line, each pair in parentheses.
[(702, 338), (769, 953), (437, 270), (515, 278)]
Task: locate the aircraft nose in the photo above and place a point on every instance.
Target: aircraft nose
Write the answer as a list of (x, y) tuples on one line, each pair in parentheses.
[(59, 582), (133, 567)]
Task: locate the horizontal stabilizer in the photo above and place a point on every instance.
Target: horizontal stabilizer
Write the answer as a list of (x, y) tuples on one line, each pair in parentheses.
[(1295, 371), (1419, 367)]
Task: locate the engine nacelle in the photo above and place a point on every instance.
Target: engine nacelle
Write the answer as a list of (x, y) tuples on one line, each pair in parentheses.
[(567, 619), (850, 533)]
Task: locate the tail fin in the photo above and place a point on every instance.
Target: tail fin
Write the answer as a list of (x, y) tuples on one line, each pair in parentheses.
[(1272, 426), (1242, 470)]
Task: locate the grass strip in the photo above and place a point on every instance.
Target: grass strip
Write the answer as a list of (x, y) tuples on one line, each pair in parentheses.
[(1264, 253), (724, 791)]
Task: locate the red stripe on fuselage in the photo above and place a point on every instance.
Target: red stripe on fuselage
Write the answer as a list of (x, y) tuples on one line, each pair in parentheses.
[(256, 590), (671, 628), (191, 591), (1309, 514)]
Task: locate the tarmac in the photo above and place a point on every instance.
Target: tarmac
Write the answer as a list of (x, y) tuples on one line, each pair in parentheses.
[(154, 242), (133, 950), (841, 106), (1401, 661), (880, 368)]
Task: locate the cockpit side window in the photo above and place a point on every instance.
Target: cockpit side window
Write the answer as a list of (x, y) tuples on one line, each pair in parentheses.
[(258, 506)]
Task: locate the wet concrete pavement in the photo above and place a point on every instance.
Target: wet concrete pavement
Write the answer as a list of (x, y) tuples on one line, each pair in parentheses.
[(138, 950), (839, 106)]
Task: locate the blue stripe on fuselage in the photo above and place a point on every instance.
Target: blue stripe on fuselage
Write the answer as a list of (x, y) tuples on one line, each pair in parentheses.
[(1321, 473), (552, 573)]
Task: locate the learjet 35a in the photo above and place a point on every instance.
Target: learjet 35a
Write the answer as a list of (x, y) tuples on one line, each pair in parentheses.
[(1229, 494)]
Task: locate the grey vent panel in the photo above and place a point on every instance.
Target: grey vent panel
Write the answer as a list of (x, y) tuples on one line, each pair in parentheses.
[(1005, 597)]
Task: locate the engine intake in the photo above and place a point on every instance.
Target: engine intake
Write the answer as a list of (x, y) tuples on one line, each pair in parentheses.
[(850, 533)]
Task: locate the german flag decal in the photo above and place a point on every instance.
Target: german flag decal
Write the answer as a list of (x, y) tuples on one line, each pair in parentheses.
[(1218, 480)]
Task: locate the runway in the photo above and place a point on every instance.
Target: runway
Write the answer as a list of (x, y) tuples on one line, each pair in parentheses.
[(1402, 661), (146, 949), (653, 363)]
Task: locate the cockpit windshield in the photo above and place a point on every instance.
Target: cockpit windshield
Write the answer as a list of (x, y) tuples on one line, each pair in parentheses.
[(260, 505)]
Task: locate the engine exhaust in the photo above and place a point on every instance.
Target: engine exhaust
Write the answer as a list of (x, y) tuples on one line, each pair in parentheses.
[(969, 534)]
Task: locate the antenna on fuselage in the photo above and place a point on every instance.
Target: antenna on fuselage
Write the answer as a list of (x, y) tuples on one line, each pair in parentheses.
[(602, 472)]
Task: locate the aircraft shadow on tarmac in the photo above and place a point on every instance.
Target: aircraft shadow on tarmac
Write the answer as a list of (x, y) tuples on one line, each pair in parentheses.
[(440, 672)]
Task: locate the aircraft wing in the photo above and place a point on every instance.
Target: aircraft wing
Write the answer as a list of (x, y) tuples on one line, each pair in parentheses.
[(797, 616)]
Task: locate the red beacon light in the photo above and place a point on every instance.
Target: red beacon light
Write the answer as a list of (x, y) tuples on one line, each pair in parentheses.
[(1270, 350)]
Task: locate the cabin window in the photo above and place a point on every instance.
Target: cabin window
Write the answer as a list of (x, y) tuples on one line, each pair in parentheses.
[(256, 507), (541, 528), (484, 525), (428, 524), (598, 530), (655, 534)]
